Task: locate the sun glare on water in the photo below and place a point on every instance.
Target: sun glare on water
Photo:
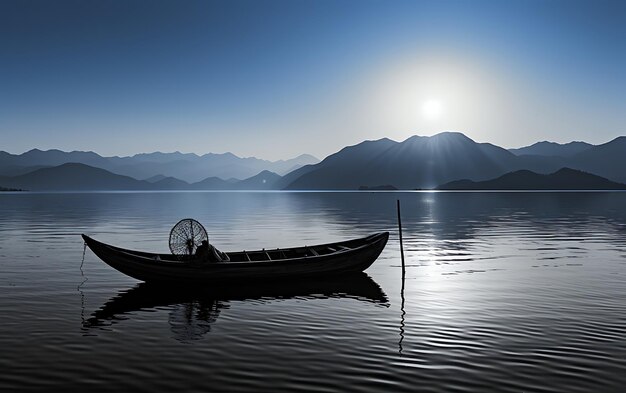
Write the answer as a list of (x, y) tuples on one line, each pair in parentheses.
[(432, 109)]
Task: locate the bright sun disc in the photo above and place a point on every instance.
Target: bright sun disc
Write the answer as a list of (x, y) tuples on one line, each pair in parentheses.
[(432, 109)]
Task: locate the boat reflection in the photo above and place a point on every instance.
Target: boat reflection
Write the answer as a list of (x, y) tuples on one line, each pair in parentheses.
[(194, 309)]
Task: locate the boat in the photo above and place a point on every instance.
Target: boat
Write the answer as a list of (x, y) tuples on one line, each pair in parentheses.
[(330, 259)]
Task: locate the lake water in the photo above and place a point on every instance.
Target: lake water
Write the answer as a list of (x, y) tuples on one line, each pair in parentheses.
[(506, 292)]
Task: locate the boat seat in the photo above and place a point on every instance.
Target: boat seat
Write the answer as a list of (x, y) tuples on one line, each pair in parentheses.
[(312, 251), (344, 247)]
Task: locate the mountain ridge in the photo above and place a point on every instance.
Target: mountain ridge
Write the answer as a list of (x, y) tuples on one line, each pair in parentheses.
[(563, 179), (546, 148), (81, 177), (421, 162), (417, 162), (189, 167)]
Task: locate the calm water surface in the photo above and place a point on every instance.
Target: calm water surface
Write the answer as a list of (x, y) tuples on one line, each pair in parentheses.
[(506, 292)]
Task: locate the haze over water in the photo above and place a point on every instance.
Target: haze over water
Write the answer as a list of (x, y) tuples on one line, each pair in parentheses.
[(504, 292)]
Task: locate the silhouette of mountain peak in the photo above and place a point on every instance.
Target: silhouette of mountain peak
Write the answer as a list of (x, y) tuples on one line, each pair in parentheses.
[(267, 173), (566, 170), (452, 134), (307, 157), (442, 137), (414, 139)]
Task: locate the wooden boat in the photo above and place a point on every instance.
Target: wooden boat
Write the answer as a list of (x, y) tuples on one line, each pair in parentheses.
[(277, 264)]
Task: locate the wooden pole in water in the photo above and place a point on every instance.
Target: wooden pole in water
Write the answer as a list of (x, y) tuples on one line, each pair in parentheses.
[(400, 231), (403, 277)]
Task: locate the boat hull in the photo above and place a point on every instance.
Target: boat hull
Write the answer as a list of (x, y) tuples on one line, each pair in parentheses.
[(351, 256)]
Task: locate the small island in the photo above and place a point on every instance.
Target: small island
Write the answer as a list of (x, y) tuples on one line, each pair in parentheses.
[(386, 187), (9, 189)]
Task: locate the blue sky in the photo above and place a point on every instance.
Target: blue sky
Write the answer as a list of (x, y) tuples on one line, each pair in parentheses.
[(275, 79)]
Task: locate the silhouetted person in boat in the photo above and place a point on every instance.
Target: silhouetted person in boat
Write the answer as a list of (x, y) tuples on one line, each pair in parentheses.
[(207, 253), (202, 252)]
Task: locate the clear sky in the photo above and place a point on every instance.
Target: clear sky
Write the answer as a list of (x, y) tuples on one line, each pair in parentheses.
[(275, 79)]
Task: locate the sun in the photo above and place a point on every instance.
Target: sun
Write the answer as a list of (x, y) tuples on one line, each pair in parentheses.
[(432, 109)]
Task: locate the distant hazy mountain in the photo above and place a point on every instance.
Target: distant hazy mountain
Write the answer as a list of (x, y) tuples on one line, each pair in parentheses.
[(418, 162), (212, 183), (187, 167), (265, 180), (563, 179), (283, 167), (16, 170), (607, 160), (170, 183), (193, 168), (155, 178), (80, 177), (36, 157), (552, 149), (73, 177)]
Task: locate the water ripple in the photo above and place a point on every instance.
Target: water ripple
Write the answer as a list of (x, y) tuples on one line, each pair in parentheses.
[(504, 292)]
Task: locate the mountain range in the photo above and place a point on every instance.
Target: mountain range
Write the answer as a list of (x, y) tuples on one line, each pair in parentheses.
[(81, 177), (415, 163), (426, 162), (563, 179), (187, 167), (546, 148)]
